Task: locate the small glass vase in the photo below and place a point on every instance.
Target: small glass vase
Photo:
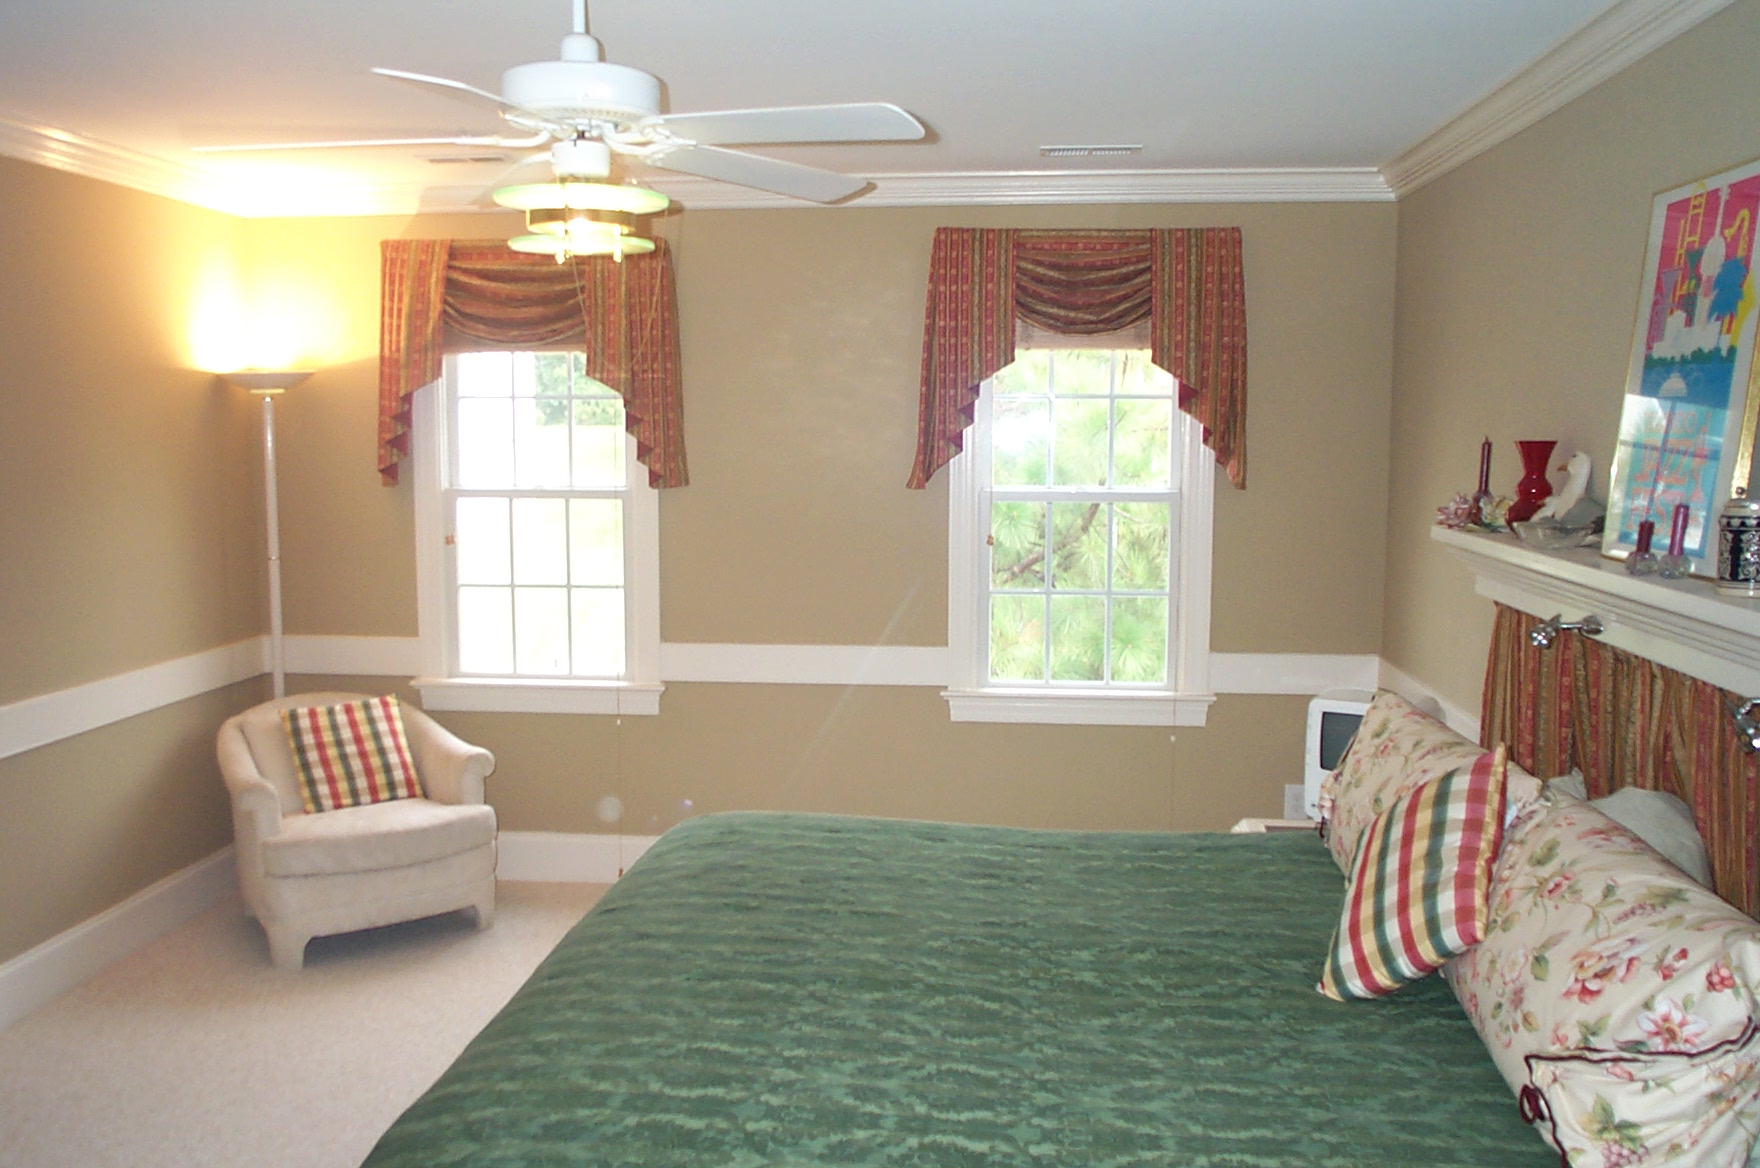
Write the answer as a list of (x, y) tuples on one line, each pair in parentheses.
[(1534, 488)]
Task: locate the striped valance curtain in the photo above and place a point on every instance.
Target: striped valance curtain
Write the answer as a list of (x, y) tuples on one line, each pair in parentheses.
[(1186, 283), (443, 296), (1628, 722)]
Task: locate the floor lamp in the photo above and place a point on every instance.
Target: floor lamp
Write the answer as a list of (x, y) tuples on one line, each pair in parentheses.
[(270, 385)]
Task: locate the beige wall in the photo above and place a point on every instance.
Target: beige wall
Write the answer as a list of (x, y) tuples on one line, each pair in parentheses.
[(1518, 292), (801, 336), (130, 519)]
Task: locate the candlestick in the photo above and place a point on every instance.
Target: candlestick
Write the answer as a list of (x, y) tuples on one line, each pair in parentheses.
[(1642, 561), (1677, 532), (1673, 565), (1482, 500)]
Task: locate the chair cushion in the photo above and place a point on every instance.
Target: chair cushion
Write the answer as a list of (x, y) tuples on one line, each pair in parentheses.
[(394, 834), (351, 753)]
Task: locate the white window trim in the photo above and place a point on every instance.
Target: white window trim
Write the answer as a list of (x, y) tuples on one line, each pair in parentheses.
[(638, 692), (1186, 699)]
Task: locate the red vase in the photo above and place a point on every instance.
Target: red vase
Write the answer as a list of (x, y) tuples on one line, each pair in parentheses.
[(1535, 488)]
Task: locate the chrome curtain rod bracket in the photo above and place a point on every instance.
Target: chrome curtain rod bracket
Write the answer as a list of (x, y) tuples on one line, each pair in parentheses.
[(1543, 634)]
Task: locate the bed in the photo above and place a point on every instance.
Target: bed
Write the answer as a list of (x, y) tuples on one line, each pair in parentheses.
[(799, 989)]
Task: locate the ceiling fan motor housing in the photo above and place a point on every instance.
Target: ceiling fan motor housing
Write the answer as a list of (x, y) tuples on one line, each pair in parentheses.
[(581, 87)]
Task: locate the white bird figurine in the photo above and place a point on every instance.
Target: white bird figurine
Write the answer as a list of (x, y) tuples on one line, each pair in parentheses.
[(1576, 470)]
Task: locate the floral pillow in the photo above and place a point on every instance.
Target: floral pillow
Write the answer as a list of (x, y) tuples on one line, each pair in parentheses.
[(1398, 748), (1617, 996)]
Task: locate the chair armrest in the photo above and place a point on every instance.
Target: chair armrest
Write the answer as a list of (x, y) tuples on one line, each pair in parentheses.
[(255, 804), (451, 769)]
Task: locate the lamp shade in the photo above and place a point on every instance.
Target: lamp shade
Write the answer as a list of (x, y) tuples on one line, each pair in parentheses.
[(266, 380)]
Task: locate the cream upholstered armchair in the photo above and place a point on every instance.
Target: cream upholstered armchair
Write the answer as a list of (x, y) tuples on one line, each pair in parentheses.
[(309, 875)]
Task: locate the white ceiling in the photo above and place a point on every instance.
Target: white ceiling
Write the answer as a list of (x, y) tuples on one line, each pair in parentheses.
[(1311, 98)]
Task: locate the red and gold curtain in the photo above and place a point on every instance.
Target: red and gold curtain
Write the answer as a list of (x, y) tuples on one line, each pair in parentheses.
[(1628, 722), (447, 296), (1185, 282)]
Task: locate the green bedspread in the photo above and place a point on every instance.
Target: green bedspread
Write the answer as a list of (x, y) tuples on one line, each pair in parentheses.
[(790, 989)]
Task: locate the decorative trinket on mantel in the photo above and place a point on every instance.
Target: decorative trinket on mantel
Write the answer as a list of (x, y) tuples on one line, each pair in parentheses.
[(1534, 487), (1738, 546)]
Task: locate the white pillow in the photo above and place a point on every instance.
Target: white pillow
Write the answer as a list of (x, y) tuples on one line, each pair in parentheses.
[(1656, 817)]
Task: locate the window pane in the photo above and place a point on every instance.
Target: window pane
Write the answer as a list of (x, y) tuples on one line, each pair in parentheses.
[(1079, 438), (1078, 532), (1139, 639), (482, 542), (1017, 638), (598, 442), (541, 630), (1139, 375), (548, 375), (1017, 554), (1030, 373), (485, 443), (1078, 638), (485, 374), (1020, 434), (540, 541), (540, 438), (1082, 371), (595, 542), (598, 631), (1139, 556), (1142, 443), (485, 630)]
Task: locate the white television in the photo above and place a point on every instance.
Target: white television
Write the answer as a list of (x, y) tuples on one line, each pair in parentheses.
[(1333, 718)]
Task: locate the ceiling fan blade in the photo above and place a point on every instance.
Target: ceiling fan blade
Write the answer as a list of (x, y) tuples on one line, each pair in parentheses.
[(482, 99), (760, 173), (489, 142), (868, 121)]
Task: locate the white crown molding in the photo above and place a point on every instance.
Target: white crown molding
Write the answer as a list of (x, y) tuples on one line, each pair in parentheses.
[(989, 188), (91, 158), (70, 957), (1618, 37)]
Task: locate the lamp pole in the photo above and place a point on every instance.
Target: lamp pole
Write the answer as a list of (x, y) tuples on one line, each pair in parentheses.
[(268, 386)]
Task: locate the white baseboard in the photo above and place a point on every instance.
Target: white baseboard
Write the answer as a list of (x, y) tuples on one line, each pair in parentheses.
[(68, 958), (567, 857), (1410, 688)]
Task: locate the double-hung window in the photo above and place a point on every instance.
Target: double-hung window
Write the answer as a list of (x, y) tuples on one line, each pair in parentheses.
[(538, 544), (1079, 546)]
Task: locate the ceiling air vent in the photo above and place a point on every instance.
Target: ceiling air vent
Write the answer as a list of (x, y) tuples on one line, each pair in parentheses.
[(465, 159), (1117, 150)]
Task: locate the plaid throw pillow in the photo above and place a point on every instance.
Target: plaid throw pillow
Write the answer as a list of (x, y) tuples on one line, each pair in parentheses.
[(1420, 885), (350, 754)]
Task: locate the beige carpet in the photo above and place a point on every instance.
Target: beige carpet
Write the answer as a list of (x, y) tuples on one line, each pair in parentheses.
[(194, 1052)]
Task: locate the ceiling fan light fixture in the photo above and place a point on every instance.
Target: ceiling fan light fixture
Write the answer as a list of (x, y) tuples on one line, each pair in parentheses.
[(582, 196), (568, 245), (545, 221)]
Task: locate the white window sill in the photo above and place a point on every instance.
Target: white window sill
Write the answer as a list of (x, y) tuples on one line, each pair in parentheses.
[(511, 695), (1078, 707)]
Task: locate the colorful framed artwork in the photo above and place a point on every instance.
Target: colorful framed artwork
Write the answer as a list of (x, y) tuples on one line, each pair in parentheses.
[(1686, 432)]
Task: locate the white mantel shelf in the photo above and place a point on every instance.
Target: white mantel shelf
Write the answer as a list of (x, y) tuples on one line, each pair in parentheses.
[(1684, 624)]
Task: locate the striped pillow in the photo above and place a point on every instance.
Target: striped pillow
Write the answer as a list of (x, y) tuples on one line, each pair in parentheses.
[(1419, 891), (351, 753)]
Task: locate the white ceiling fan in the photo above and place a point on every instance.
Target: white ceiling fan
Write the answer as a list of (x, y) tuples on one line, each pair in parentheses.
[(586, 110)]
